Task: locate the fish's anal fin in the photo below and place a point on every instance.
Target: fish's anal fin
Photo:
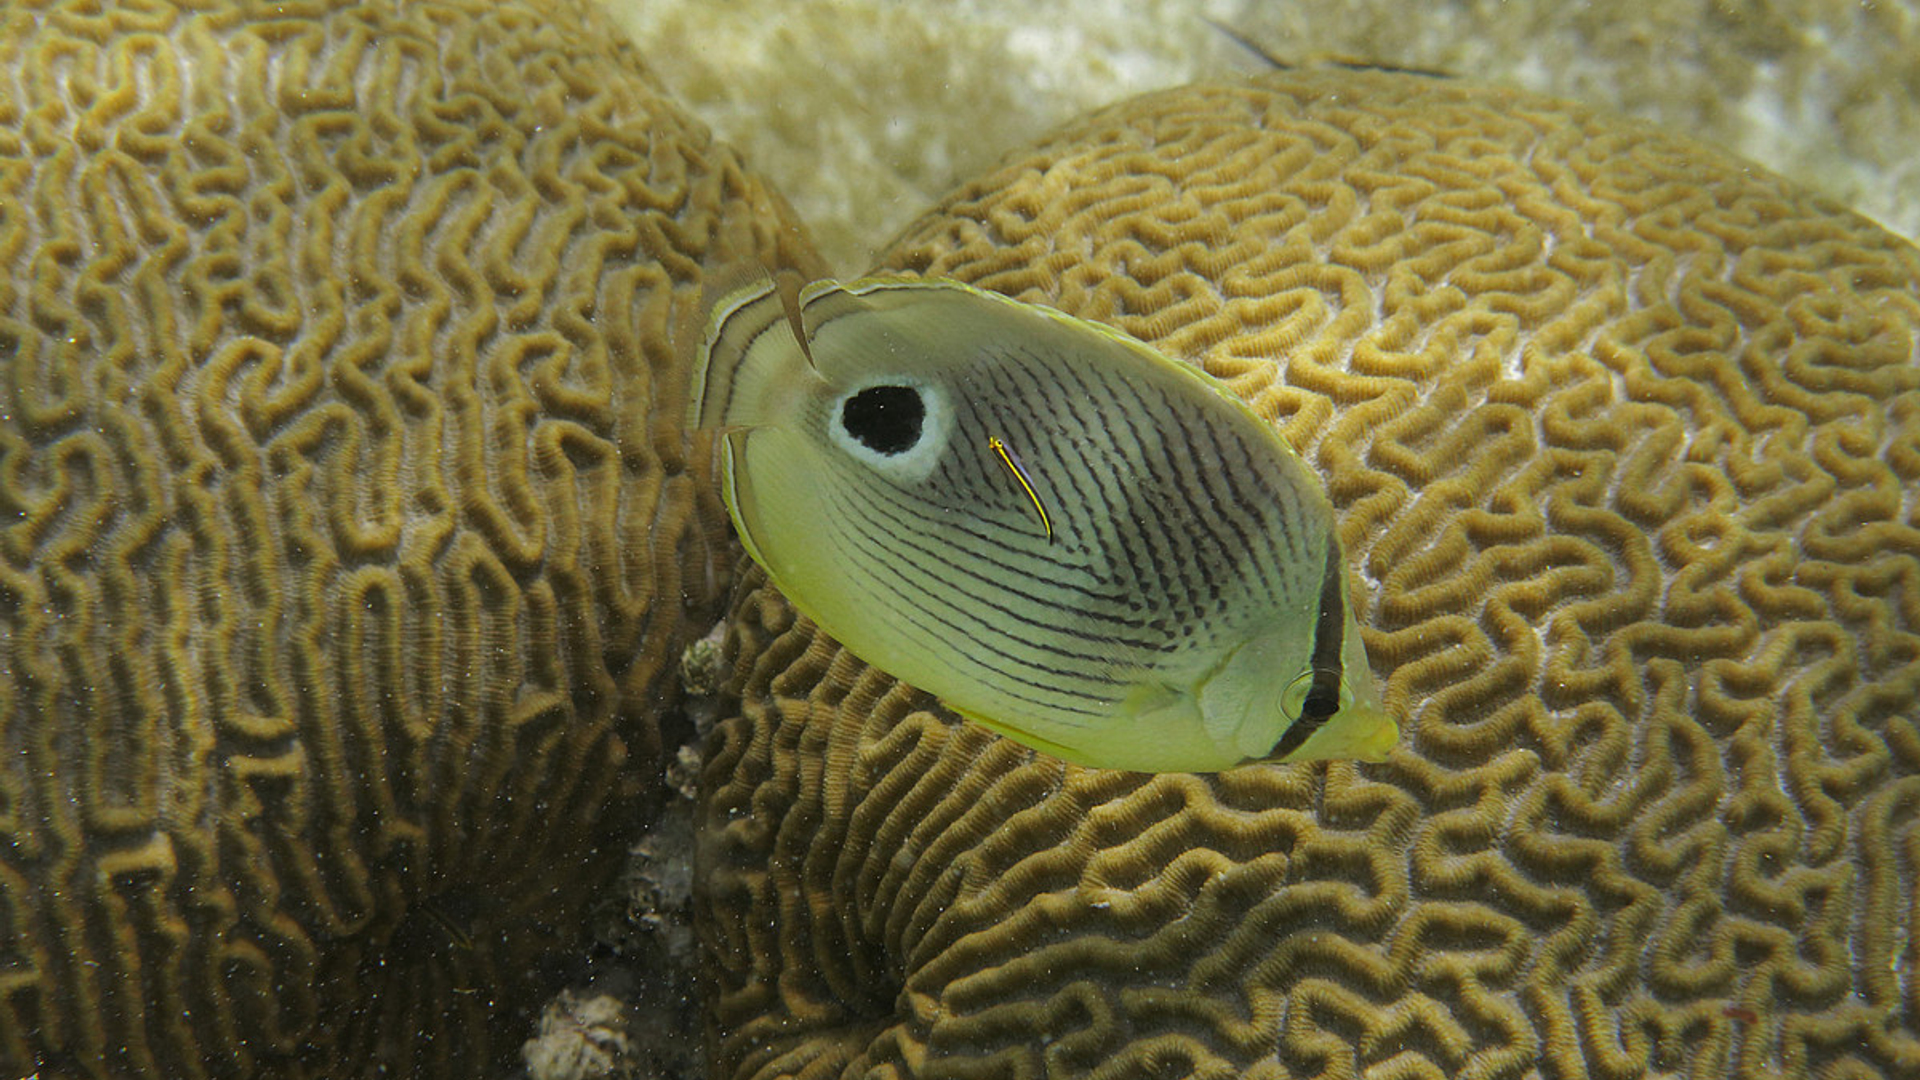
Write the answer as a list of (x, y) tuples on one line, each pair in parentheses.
[(1024, 738)]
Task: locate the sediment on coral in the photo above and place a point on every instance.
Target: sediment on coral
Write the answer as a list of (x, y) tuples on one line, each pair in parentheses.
[(348, 540), (1624, 437)]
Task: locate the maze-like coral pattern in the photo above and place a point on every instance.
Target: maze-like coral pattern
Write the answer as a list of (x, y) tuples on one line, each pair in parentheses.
[(346, 535), (1625, 439)]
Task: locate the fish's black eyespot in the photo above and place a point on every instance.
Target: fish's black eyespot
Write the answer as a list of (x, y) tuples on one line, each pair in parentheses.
[(884, 419)]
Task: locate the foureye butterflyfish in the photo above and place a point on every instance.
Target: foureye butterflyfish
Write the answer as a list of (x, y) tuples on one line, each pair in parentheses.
[(1063, 534)]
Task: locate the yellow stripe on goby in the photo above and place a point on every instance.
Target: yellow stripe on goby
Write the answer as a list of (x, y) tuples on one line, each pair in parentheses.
[(1020, 476)]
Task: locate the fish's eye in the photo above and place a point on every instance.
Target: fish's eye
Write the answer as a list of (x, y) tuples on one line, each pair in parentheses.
[(1313, 699), (1293, 699), (885, 419)]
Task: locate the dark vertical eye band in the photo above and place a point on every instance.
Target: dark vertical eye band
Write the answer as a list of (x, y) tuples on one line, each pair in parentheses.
[(1329, 630)]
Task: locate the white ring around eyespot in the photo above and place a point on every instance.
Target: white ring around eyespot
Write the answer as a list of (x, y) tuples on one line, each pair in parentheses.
[(908, 466)]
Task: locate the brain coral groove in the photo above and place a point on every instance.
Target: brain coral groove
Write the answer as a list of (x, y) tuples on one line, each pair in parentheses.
[(346, 534), (1625, 439)]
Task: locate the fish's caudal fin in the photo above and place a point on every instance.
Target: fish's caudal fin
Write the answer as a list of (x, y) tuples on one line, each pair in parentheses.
[(753, 358)]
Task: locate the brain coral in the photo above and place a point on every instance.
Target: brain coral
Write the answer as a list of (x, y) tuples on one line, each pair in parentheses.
[(343, 550), (1625, 439)]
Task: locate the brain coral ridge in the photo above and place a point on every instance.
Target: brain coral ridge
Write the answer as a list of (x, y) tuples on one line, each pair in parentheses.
[(344, 550), (1624, 435)]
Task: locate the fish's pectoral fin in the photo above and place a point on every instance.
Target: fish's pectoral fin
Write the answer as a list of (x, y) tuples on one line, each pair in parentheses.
[(1145, 699)]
